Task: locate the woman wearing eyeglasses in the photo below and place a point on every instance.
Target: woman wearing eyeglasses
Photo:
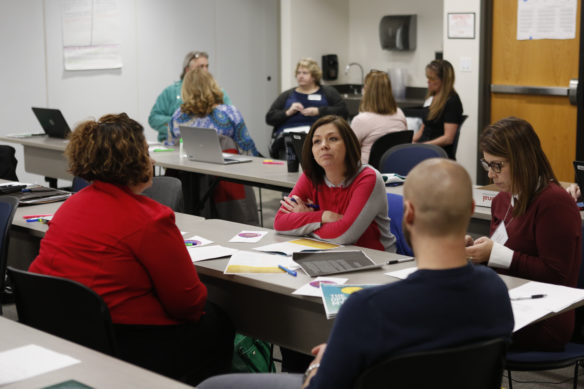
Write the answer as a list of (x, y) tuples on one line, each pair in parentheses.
[(445, 110), (535, 224), (378, 113)]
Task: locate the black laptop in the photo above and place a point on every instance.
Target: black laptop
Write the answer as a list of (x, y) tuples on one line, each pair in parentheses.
[(52, 122)]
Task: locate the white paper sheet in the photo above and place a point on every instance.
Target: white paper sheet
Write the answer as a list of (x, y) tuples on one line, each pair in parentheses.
[(29, 361), (313, 287), (403, 273), (254, 262), (249, 236), (91, 34), (209, 252), (297, 245), (199, 240), (544, 19)]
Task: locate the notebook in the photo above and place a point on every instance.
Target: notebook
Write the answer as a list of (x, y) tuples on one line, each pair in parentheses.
[(52, 122), (202, 144)]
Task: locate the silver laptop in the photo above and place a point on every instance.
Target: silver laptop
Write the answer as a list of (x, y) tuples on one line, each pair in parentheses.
[(202, 144)]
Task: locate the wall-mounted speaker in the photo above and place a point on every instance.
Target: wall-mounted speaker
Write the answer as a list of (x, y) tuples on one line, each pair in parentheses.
[(330, 67)]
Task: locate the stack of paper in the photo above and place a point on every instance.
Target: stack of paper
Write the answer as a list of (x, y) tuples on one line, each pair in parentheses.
[(297, 245)]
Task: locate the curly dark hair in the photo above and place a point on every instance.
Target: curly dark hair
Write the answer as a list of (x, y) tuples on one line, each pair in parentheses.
[(112, 149), (353, 150)]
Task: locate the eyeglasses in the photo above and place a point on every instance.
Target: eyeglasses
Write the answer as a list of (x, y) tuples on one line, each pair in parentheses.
[(495, 166)]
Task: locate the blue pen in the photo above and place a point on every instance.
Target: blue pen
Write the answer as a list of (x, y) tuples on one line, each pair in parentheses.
[(313, 206), (36, 219), (291, 272)]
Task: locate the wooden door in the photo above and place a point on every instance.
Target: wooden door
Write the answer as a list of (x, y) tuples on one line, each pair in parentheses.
[(547, 62)]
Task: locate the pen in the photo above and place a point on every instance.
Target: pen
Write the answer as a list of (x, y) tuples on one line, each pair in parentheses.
[(313, 206), (160, 150), (291, 272), (394, 261), (533, 296)]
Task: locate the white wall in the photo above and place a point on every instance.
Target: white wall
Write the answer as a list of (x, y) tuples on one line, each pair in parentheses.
[(312, 28), (364, 46), (241, 37), (467, 83)]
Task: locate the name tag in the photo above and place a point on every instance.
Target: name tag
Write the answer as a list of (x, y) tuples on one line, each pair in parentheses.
[(500, 235), (315, 97)]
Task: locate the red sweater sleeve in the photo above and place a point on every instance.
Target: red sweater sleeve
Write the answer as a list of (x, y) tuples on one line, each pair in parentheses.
[(359, 214), (299, 223), (163, 253)]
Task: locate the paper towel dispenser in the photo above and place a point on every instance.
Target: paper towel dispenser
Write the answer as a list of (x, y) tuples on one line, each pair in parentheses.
[(398, 32)]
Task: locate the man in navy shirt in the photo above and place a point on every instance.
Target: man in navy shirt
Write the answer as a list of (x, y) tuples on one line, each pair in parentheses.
[(446, 302)]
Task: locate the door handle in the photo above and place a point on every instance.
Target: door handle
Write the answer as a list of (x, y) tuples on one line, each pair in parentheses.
[(569, 91)]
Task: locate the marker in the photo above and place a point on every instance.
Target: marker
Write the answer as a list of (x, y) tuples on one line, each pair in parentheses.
[(291, 272), (394, 261), (192, 242), (36, 219), (533, 296), (160, 150), (34, 216)]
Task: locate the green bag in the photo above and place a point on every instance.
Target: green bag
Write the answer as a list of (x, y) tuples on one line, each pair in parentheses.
[(252, 355)]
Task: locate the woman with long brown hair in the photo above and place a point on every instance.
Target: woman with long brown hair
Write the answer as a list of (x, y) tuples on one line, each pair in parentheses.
[(378, 113), (535, 224), (445, 110)]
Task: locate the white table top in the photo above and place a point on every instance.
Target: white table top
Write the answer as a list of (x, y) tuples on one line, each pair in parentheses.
[(96, 369)]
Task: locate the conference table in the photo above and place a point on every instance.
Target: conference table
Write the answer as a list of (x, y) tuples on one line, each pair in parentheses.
[(261, 305), (44, 156), (95, 369)]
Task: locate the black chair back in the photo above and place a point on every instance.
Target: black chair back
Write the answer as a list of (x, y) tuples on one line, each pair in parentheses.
[(477, 365), (167, 191), (8, 206), (78, 184), (387, 141), (8, 163), (64, 308)]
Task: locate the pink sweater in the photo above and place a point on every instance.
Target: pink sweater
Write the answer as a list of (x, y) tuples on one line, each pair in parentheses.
[(369, 127)]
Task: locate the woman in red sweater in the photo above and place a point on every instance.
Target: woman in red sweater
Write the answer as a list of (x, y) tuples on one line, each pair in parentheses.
[(336, 198), (535, 225), (127, 248)]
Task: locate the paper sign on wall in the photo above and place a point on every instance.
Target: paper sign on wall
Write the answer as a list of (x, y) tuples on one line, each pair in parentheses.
[(544, 19)]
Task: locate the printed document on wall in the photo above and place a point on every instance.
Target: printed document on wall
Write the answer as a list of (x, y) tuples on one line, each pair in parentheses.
[(546, 19), (91, 34)]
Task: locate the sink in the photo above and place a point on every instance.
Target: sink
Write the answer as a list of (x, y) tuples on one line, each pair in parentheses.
[(349, 90)]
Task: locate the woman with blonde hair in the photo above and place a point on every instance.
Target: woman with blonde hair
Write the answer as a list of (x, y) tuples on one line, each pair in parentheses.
[(445, 110), (378, 113), (203, 107), (303, 105)]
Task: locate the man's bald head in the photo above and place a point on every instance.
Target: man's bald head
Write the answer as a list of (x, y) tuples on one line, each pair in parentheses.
[(440, 192)]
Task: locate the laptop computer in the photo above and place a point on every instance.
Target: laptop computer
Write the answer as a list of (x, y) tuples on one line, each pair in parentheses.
[(202, 144), (52, 122)]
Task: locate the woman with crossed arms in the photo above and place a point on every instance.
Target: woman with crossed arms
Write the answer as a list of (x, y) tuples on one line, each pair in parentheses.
[(337, 198), (535, 224)]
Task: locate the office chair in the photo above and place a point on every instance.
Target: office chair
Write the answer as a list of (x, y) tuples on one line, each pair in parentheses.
[(8, 163), (64, 308), (8, 206), (78, 184), (401, 159), (386, 142), (477, 365), (167, 191), (455, 141), (541, 360), (395, 211)]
